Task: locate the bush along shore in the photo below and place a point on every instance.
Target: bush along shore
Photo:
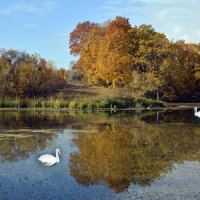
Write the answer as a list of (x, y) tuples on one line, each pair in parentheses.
[(115, 103)]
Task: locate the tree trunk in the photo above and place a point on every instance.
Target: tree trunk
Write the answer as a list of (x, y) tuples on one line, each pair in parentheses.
[(157, 117), (158, 98)]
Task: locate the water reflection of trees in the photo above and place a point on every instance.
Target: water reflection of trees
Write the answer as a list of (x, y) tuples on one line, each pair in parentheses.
[(23, 133), (175, 116), (131, 150), (54, 119), (125, 147), (19, 146)]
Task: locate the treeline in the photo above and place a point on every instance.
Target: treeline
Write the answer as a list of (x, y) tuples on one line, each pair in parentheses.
[(136, 58), (28, 76)]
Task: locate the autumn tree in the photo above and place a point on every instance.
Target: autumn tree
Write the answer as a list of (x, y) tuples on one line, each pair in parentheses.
[(181, 72), (77, 37), (26, 79), (10, 62), (138, 58), (23, 75), (50, 79), (143, 83), (89, 54), (104, 51), (114, 59), (119, 24), (149, 49), (5, 68)]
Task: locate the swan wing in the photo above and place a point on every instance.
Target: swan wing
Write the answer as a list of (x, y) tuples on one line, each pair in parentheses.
[(198, 114), (47, 159), (48, 164)]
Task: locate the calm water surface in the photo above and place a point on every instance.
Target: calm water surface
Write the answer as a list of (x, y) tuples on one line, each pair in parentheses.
[(123, 155)]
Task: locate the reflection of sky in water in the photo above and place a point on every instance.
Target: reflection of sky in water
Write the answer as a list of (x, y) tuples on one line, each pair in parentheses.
[(29, 178), (23, 177), (182, 183)]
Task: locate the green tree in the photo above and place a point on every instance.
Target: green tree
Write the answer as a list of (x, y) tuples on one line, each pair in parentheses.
[(143, 83), (149, 49)]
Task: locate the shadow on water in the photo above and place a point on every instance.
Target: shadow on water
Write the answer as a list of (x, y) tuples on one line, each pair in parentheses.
[(115, 149)]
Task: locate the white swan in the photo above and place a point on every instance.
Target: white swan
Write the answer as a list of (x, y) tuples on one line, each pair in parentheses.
[(197, 114), (49, 160)]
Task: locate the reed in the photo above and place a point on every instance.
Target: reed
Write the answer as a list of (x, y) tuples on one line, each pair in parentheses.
[(110, 103)]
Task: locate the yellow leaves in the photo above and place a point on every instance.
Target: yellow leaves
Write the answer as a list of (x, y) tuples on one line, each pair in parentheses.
[(149, 48), (143, 82), (28, 75), (114, 59), (112, 51), (105, 55), (180, 71)]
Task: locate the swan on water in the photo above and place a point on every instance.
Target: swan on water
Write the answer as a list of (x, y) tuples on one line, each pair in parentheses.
[(196, 113), (49, 160)]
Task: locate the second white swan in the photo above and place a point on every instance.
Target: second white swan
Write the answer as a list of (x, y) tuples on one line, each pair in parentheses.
[(197, 114)]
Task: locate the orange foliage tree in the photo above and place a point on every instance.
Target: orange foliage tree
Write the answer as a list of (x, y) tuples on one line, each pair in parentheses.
[(139, 58)]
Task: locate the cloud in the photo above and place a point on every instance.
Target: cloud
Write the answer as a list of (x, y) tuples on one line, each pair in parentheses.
[(178, 19), (21, 8), (29, 26)]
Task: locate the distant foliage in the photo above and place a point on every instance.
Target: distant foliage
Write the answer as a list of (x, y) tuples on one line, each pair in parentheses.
[(75, 75), (137, 57), (27, 76)]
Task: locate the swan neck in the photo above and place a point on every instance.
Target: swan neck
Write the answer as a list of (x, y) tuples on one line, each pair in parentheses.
[(57, 157)]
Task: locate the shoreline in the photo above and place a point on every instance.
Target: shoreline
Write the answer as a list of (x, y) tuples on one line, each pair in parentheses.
[(113, 105), (98, 110)]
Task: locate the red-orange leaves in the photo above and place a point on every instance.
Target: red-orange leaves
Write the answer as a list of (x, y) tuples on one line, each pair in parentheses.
[(118, 24), (77, 36)]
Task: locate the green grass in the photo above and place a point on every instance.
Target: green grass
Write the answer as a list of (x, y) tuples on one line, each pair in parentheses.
[(108, 103)]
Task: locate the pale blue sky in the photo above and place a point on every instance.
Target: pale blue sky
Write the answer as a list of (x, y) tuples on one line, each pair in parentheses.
[(43, 26)]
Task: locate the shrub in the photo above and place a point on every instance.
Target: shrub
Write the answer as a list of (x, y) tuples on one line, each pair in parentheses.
[(152, 103), (56, 104), (64, 104), (72, 105), (119, 103), (103, 104), (82, 105), (23, 104), (10, 103), (75, 75)]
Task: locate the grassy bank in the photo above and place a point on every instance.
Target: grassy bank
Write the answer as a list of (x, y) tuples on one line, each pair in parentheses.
[(109, 103)]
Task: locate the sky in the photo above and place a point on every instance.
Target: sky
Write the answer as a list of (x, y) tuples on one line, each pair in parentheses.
[(43, 26)]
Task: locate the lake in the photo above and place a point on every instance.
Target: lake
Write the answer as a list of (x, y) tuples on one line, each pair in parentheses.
[(104, 155)]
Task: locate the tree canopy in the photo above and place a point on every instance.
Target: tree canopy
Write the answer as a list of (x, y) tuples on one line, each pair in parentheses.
[(25, 76), (118, 54)]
